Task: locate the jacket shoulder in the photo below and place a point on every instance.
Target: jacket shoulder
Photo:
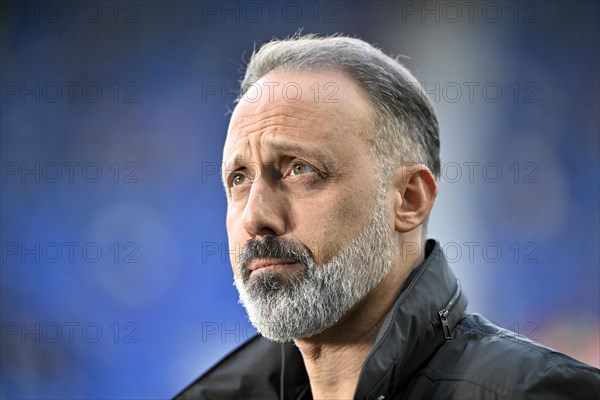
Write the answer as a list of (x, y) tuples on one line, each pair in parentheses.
[(230, 374), (483, 360), (251, 371)]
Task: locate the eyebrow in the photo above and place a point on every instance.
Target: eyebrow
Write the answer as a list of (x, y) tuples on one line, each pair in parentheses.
[(326, 161)]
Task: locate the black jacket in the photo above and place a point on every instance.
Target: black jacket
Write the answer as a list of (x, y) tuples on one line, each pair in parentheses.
[(427, 348)]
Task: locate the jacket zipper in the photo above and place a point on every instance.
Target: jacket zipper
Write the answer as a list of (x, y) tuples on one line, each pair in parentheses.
[(444, 313)]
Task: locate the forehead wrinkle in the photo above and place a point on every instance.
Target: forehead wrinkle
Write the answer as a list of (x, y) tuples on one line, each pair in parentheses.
[(281, 138), (275, 123), (286, 115), (278, 143), (284, 120)]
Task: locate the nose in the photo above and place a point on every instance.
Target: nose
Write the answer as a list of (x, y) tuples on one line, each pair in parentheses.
[(264, 211)]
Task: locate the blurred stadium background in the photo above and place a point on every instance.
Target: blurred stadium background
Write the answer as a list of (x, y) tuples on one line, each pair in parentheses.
[(115, 276)]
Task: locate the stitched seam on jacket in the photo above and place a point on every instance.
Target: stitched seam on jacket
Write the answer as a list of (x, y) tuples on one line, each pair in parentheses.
[(435, 376)]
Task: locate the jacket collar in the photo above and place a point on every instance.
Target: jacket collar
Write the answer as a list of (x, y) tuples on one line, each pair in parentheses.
[(413, 329)]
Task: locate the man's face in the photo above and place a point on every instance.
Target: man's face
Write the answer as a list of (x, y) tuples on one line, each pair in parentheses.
[(305, 204)]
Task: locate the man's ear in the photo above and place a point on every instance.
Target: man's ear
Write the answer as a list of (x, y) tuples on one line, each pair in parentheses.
[(414, 193)]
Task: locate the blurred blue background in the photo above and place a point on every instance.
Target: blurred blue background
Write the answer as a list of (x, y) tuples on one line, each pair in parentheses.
[(115, 275)]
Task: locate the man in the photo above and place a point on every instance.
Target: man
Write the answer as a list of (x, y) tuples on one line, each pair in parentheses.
[(331, 160)]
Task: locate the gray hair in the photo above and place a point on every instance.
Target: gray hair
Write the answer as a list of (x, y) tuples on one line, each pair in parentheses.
[(405, 128)]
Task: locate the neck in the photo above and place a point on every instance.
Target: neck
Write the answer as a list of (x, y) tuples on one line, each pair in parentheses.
[(334, 358)]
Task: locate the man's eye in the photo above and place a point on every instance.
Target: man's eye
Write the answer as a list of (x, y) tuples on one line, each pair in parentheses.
[(238, 179), (301, 168)]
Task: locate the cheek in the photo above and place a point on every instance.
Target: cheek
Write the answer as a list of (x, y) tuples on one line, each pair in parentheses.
[(331, 225), (234, 249), (235, 240), (233, 257), (325, 249)]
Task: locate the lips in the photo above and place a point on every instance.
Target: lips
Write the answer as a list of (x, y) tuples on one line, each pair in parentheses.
[(269, 263)]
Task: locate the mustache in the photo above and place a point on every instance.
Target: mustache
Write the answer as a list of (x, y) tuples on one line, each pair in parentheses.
[(273, 247)]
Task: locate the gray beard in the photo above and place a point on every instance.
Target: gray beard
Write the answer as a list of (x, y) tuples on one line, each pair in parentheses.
[(284, 308)]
